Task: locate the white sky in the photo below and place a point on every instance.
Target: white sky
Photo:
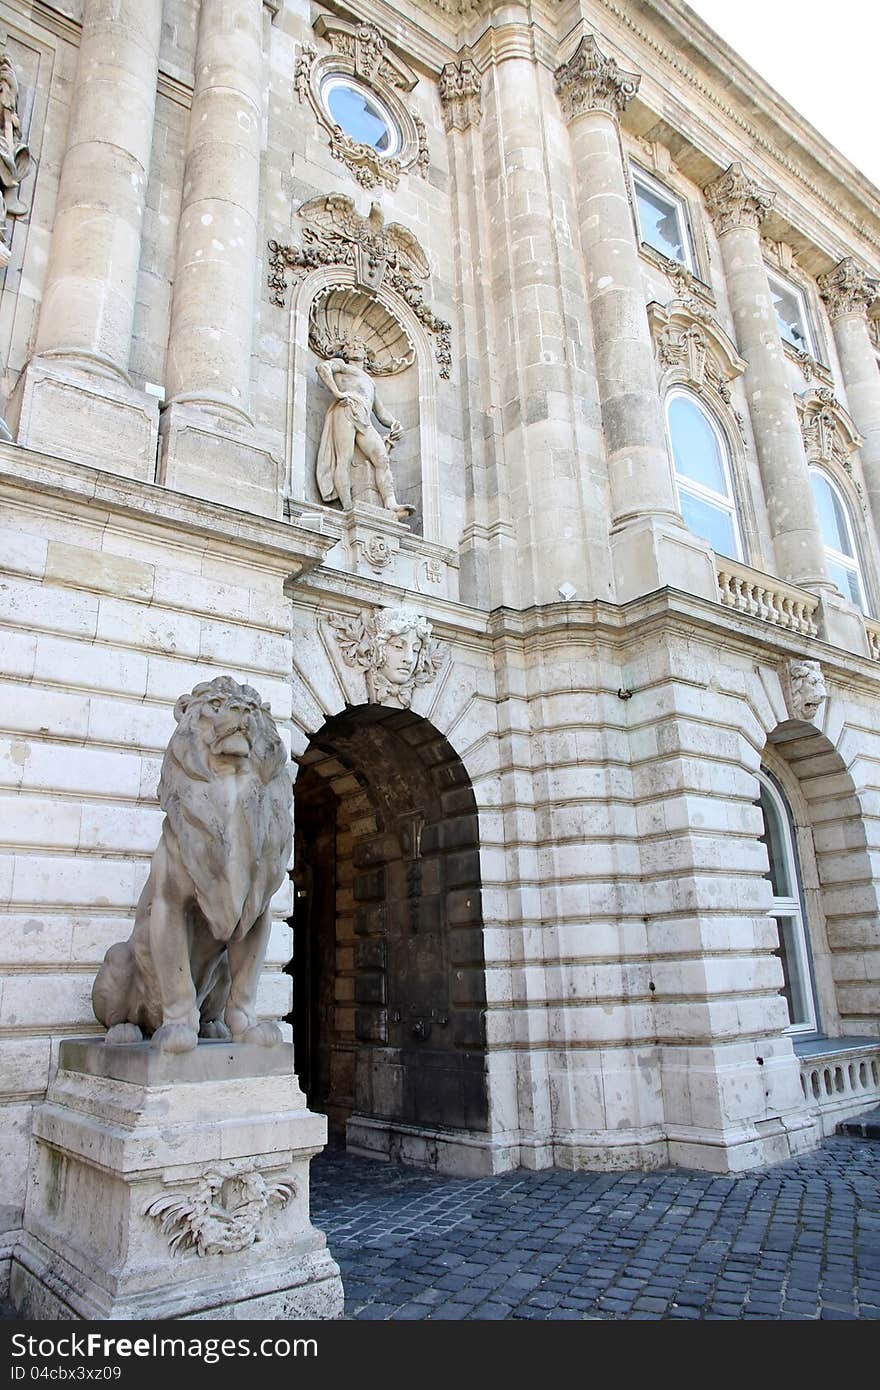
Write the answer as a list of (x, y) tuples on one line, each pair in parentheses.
[(823, 58)]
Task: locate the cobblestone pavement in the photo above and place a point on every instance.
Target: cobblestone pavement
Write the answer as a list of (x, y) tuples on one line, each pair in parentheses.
[(798, 1240)]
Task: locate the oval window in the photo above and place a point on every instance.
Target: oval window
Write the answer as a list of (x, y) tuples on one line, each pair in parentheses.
[(360, 114)]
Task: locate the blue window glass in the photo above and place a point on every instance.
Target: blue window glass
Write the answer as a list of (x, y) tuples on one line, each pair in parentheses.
[(360, 115)]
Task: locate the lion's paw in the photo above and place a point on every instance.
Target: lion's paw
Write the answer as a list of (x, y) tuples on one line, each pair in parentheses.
[(264, 1034), (216, 1028), (175, 1037), (124, 1033)]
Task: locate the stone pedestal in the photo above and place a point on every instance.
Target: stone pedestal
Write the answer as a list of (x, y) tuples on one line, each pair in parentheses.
[(842, 625), (173, 1187), (87, 415), (651, 552), (218, 458)]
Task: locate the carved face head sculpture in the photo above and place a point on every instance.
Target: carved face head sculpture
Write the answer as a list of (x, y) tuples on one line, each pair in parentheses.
[(399, 637), (355, 351), (806, 689), (399, 649), (225, 721)]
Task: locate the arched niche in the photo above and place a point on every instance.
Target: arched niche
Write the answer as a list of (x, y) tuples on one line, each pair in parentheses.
[(408, 393)]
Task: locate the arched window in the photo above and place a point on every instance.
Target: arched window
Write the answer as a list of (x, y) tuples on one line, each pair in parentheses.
[(835, 525), (702, 474), (787, 908)]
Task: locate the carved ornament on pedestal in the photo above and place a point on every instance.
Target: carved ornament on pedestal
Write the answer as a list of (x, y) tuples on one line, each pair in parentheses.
[(847, 289), (736, 200), (460, 87), (379, 254), (395, 650), (590, 81), (223, 1214), (803, 686), (361, 53)]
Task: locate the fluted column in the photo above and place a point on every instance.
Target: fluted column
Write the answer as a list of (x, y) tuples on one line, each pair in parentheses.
[(84, 330), (212, 308), (89, 298), (847, 291), (649, 541), (738, 206)]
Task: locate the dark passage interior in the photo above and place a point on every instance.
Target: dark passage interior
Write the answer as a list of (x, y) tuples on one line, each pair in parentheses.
[(388, 966)]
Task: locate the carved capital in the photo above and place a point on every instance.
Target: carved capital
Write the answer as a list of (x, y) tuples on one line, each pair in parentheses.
[(847, 289), (460, 85), (591, 82), (736, 200)]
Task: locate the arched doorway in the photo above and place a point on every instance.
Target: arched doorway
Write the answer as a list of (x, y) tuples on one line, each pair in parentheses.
[(388, 966)]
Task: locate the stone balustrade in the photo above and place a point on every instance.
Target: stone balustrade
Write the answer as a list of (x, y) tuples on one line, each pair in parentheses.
[(750, 591), (841, 1083), (873, 631)]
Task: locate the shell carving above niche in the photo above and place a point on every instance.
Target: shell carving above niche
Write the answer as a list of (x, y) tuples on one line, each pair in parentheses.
[(338, 315)]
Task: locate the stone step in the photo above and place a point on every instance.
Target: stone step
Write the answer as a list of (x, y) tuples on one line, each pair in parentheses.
[(865, 1126)]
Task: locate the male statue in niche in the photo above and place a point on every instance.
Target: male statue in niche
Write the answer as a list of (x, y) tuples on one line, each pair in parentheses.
[(348, 425)]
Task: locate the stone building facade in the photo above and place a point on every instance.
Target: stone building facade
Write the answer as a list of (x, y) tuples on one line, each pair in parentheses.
[(583, 703)]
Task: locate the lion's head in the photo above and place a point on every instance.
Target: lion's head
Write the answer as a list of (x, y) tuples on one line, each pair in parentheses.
[(226, 791)]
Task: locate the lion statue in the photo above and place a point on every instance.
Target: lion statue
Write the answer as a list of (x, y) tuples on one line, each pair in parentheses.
[(191, 965)]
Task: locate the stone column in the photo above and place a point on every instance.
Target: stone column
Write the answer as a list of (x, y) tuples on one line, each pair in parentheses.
[(738, 206), (548, 427), (847, 291), (650, 544), (85, 325), (209, 446)]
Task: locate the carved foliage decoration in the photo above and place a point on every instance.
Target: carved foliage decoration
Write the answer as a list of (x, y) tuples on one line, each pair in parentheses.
[(395, 650), (591, 82), (361, 52), (223, 1214), (830, 435), (736, 200), (693, 349), (460, 86), (15, 157), (379, 254)]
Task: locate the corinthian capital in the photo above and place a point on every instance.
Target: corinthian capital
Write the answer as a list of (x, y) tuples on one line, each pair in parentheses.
[(847, 289), (460, 85), (591, 82), (735, 200)]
